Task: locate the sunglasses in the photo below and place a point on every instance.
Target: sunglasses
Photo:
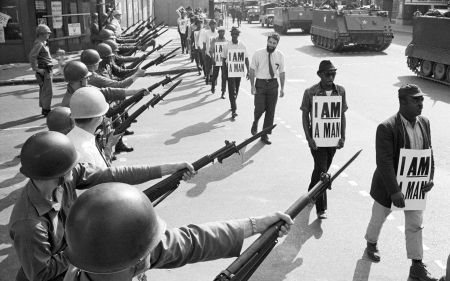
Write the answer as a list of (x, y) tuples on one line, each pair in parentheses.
[(329, 74)]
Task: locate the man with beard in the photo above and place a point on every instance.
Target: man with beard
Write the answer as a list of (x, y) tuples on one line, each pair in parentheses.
[(323, 156), (267, 65), (406, 130)]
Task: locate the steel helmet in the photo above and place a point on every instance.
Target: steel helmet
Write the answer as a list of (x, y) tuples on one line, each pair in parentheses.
[(111, 27), (47, 155), (110, 228), (104, 50), (106, 34), (59, 120), (42, 29), (114, 46), (75, 71), (90, 57), (88, 102)]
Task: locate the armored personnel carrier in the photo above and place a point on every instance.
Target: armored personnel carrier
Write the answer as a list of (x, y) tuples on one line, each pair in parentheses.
[(429, 51), (333, 29), (286, 18)]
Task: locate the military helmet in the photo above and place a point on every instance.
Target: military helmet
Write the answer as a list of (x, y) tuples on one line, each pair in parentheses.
[(90, 57), (47, 155), (114, 46), (75, 71), (88, 102), (106, 34), (110, 228), (42, 29), (104, 50), (59, 120), (111, 27)]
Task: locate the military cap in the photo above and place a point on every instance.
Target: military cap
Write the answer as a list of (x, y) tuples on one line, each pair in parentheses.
[(410, 90)]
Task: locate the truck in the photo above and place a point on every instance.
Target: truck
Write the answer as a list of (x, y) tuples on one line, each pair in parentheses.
[(334, 29), (286, 18), (428, 54), (267, 14)]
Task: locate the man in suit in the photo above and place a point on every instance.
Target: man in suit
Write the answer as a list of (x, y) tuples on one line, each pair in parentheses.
[(405, 130)]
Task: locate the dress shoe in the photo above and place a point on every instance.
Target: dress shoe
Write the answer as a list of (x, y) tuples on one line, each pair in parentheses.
[(213, 90), (254, 130), (265, 139), (233, 115), (223, 95), (322, 215), (45, 112), (418, 271), (372, 252), (121, 147)]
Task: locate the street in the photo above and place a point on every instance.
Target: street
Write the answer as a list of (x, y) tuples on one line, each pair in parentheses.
[(192, 122)]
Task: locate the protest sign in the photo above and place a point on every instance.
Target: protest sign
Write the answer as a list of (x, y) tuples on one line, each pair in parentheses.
[(326, 120), (413, 172), (218, 50), (2, 35), (181, 8), (4, 18), (236, 63), (56, 11)]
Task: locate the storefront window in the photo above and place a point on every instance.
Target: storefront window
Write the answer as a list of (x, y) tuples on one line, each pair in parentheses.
[(10, 28)]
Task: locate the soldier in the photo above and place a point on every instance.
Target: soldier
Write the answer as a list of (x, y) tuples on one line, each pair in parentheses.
[(234, 82), (406, 130), (323, 156), (267, 65), (120, 60), (125, 49), (41, 62), (136, 239), (108, 68), (59, 120), (38, 218), (119, 38), (95, 31), (220, 39)]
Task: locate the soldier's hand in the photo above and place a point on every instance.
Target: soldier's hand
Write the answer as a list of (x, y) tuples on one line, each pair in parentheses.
[(112, 139), (140, 72), (428, 186), (312, 144), (190, 173), (264, 222), (146, 92), (340, 143), (398, 199)]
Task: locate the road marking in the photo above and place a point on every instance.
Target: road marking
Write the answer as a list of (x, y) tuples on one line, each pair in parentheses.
[(344, 175), (299, 136), (353, 183), (335, 167), (23, 128), (278, 118), (391, 217), (364, 193), (296, 80), (304, 141), (287, 126), (282, 122), (440, 264), (401, 228), (124, 138), (293, 131), (122, 159), (425, 248)]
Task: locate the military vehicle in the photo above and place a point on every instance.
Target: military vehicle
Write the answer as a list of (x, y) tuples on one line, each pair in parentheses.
[(333, 29), (429, 51), (253, 15), (267, 14), (286, 18)]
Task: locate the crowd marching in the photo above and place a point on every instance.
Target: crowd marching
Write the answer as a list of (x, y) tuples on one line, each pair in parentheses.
[(112, 231)]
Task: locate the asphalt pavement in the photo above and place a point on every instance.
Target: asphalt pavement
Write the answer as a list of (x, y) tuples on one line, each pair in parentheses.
[(192, 122)]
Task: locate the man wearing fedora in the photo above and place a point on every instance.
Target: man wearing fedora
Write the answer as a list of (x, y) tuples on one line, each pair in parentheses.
[(323, 156), (407, 129)]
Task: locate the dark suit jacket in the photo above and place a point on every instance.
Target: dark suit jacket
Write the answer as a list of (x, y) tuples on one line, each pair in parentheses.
[(390, 138)]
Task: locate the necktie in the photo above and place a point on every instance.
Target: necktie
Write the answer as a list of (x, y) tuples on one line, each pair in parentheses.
[(270, 68)]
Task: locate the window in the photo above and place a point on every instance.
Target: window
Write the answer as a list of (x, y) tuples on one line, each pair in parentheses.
[(10, 28)]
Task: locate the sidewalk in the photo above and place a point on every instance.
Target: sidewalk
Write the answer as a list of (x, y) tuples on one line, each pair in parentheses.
[(402, 28), (21, 73)]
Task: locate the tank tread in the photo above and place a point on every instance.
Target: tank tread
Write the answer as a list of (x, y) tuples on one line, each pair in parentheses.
[(416, 69), (327, 43)]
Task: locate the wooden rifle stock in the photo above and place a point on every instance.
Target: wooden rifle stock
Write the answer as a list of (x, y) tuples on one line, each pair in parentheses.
[(158, 192), (246, 264)]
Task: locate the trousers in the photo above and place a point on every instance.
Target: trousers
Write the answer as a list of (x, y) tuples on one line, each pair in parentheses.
[(233, 91), (183, 42), (198, 59), (208, 66), (216, 70), (265, 101), (45, 89), (323, 157), (413, 229)]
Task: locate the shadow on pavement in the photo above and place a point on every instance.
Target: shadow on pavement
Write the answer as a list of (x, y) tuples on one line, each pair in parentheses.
[(200, 102), (22, 121), (197, 129), (362, 269), (435, 91), (9, 263), (283, 258), (347, 51), (218, 172)]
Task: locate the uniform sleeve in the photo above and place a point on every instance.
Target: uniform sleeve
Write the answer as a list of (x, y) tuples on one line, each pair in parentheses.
[(33, 56), (121, 72), (87, 175), (113, 94), (197, 243), (306, 102), (100, 81), (34, 253)]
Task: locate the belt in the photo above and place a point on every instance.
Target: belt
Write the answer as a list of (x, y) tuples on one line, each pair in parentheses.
[(45, 66), (267, 80)]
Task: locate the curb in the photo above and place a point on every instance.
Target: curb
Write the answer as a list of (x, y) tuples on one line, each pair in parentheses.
[(61, 79)]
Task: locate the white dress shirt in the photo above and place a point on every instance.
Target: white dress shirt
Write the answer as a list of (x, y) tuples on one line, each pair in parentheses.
[(84, 143), (260, 63), (209, 36)]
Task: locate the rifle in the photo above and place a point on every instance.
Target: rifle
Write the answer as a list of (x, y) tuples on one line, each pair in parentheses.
[(165, 59), (156, 98), (157, 35), (139, 95), (128, 28), (246, 264), (144, 57), (159, 59), (158, 192)]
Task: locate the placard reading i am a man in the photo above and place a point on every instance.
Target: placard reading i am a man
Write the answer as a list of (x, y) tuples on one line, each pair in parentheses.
[(326, 120)]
